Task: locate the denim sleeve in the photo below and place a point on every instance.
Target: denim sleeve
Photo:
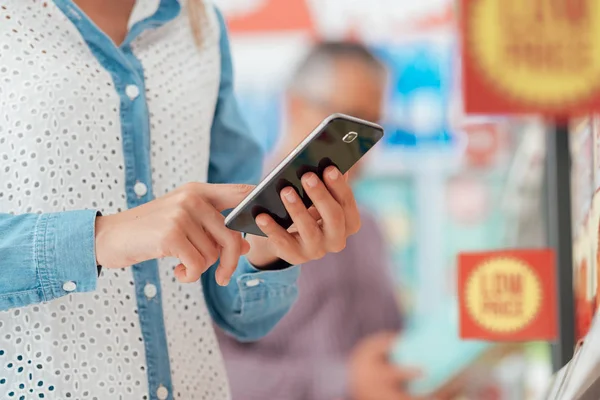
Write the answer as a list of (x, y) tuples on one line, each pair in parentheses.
[(46, 256), (255, 300)]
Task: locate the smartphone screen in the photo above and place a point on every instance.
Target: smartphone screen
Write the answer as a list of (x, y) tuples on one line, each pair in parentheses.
[(341, 142)]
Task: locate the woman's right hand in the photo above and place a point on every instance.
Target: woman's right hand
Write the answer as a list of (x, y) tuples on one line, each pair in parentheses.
[(185, 223)]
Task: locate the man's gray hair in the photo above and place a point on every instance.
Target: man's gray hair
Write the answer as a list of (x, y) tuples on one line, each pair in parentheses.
[(314, 75)]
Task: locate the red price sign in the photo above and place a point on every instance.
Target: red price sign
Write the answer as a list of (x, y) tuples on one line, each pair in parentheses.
[(507, 295), (540, 56)]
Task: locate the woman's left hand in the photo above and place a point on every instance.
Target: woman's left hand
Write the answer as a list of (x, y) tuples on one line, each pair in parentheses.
[(322, 229)]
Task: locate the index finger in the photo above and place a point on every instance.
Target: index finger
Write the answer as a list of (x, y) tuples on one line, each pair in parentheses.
[(341, 191), (193, 264), (231, 242)]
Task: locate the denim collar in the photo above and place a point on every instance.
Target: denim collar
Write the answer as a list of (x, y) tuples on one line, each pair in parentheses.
[(147, 9), (146, 14)]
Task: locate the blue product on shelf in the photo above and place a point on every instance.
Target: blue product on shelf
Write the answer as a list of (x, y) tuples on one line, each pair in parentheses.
[(421, 76)]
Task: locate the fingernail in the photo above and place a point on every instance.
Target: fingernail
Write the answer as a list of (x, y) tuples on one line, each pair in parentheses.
[(290, 195), (222, 280), (261, 221), (334, 174), (312, 180)]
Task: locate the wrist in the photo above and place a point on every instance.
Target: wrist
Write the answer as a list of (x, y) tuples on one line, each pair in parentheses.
[(277, 265), (260, 256), (105, 239), (262, 261), (99, 232)]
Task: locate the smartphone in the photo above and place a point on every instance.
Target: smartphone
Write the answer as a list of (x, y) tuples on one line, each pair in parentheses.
[(340, 140)]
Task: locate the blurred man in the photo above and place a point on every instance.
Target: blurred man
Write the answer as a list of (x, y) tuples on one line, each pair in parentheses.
[(334, 343)]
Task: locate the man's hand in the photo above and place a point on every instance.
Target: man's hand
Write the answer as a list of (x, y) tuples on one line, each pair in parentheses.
[(317, 231), (372, 377), (185, 224)]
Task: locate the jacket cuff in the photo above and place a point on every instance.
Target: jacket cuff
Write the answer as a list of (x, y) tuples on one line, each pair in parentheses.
[(65, 253), (284, 275)]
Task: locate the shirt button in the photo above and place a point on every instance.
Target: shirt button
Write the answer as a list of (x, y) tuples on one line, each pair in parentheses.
[(69, 286), (150, 290), (162, 393), (253, 282), (132, 91), (140, 189)]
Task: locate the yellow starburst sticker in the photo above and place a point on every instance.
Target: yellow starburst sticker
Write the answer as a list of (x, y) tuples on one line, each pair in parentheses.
[(503, 295), (535, 55)]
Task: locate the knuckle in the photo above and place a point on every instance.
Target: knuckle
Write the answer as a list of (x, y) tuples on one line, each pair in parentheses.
[(337, 245), (319, 253), (198, 270), (189, 275), (192, 276), (186, 189), (179, 217), (316, 250), (355, 226), (182, 198), (188, 196), (192, 186)]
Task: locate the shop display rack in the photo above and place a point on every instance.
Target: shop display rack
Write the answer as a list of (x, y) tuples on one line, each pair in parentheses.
[(578, 367)]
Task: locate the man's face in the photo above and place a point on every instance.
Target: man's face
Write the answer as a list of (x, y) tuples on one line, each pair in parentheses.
[(357, 90)]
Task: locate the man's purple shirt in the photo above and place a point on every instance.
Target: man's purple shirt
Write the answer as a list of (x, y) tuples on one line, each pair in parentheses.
[(344, 298)]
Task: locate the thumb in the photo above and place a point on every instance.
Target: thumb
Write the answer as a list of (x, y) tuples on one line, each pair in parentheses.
[(225, 196)]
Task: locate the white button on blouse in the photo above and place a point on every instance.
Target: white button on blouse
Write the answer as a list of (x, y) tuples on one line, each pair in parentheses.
[(132, 91), (140, 189), (150, 290), (162, 393)]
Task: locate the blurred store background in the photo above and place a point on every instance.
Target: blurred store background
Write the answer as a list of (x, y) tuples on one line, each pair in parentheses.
[(440, 184)]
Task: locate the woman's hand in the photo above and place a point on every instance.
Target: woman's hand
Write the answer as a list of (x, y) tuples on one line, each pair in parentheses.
[(185, 224), (317, 231)]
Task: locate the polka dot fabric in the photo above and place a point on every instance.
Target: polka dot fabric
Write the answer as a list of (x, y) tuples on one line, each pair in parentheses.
[(60, 149)]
